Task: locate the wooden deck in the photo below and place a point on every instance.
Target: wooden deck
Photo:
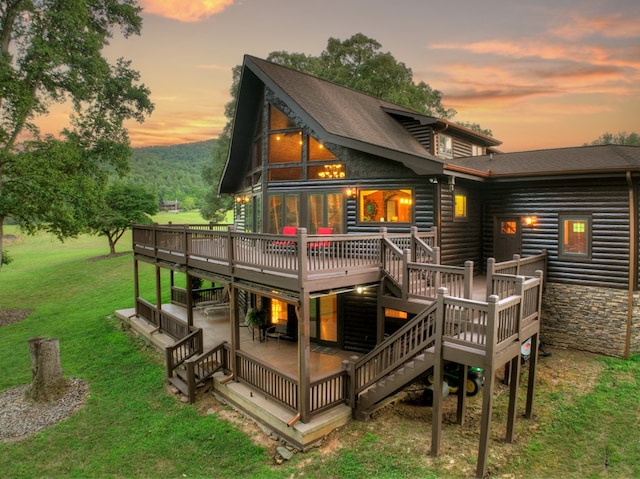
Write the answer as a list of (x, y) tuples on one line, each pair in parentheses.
[(459, 318)]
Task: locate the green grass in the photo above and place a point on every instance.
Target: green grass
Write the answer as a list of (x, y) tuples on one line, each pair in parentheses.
[(130, 427)]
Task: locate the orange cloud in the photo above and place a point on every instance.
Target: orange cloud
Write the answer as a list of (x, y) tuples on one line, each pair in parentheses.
[(612, 26), (185, 11)]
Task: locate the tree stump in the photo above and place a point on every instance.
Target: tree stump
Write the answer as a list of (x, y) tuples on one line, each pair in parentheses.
[(47, 382)]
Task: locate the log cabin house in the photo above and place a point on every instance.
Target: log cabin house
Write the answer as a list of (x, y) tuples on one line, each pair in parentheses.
[(381, 243)]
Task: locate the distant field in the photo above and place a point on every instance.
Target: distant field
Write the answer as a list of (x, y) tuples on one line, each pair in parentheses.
[(187, 217)]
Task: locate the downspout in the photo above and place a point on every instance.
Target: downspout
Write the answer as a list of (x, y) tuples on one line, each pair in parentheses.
[(633, 245)]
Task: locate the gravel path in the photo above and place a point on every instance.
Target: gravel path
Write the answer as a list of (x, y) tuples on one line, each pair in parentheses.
[(20, 417)]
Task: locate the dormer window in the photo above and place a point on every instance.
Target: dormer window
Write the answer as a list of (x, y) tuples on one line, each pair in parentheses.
[(477, 150), (445, 146)]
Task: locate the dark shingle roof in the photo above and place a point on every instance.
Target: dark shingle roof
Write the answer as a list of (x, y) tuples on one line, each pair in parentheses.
[(342, 112), (557, 161)]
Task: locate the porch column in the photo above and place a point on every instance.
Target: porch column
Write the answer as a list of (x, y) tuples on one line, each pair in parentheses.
[(158, 288), (304, 355), (380, 319), (234, 316), (136, 283), (189, 300)]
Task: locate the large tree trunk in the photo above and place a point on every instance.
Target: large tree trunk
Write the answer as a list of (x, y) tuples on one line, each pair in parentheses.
[(47, 383)]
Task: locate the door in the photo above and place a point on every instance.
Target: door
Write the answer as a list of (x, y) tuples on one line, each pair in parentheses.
[(323, 313), (507, 238)]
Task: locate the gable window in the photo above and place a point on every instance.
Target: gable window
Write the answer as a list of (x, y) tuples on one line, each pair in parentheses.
[(385, 205), (575, 236), (460, 205), (285, 138), (445, 146)]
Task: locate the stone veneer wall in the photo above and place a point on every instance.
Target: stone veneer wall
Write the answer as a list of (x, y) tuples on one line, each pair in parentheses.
[(589, 319)]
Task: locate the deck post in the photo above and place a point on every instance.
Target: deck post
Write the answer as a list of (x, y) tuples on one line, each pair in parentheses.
[(462, 395), (491, 267), (414, 234), (468, 279), (304, 356), (438, 374), (533, 363), (234, 315), (513, 398), (136, 282), (189, 299), (158, 287), (489, 379), (405, 274)]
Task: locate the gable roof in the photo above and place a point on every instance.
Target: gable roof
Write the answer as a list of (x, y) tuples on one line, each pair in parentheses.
[(598, 159), (335, 114)]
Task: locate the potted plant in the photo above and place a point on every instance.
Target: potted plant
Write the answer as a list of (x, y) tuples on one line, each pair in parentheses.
[(258, 318)]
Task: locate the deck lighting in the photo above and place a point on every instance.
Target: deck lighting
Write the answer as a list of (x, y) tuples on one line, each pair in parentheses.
[(530, 220), (351, 192)]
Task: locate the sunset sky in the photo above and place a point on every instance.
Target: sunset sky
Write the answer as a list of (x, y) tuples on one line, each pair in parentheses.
[(539, 74)]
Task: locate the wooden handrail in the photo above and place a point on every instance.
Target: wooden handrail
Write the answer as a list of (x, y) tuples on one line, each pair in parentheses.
[(182, 350), (402, 346)]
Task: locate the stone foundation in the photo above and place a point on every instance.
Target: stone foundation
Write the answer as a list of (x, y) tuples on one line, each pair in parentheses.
[(589, 318)]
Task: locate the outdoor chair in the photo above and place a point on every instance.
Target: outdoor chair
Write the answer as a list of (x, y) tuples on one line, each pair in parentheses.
[(276, 332), (286, 246), (320, 246)]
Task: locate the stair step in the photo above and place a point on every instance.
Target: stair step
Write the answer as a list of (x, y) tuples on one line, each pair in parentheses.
[(180, 384)]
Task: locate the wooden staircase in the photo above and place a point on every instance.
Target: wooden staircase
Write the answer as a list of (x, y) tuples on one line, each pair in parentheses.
[(188, 367), (401, 378), (397, 362)]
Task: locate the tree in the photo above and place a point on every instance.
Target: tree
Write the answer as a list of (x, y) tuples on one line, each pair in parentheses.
[(357, 63), (122, 206), (621, 138), (51, 51)]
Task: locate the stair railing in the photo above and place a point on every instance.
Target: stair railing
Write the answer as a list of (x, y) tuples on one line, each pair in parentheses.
[(187, 347), (402, 346), (202, 367)]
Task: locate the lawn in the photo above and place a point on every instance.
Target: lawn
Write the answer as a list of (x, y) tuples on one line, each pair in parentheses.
[(131, 427)]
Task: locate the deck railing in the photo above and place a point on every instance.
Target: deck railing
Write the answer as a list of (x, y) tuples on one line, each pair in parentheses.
[(277, 385), (298, 257), (217, 294), (487, 325), (500, 275), (203, 366), (424, 280)]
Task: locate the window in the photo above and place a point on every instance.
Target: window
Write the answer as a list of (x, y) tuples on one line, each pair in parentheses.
[(284, 210), (317, 151), (385, 205), (460, 205), (285, 138), (445, 146), (477, 150), (325, 211), (575, 236)]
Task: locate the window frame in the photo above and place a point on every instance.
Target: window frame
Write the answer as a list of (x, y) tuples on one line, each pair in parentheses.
[(563, 254), (442, 152), (362, 205), (457, 191)]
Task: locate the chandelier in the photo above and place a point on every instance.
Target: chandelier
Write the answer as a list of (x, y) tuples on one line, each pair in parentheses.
[(332, 172)]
